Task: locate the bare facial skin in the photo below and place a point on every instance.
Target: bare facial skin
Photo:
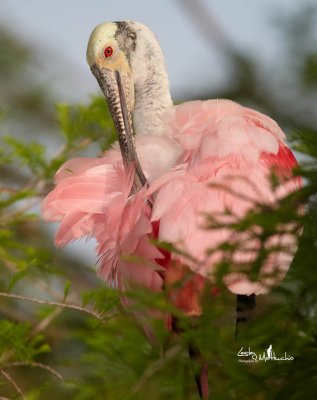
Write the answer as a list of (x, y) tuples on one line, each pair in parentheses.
[(110, 66)]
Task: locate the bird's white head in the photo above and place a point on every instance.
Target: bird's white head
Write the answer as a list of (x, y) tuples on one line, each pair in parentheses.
[(109, 50), (128, 63)]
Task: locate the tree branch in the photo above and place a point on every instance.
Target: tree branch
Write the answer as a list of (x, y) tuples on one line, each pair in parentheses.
[(155, 367), (51, 303), (33, 364), (13, 383)]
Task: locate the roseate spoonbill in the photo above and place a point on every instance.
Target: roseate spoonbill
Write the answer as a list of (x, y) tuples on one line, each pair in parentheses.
[(172, 165)]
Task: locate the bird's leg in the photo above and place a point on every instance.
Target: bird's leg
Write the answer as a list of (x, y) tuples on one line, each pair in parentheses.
[(245, 306), (201, 377), (184, 290)]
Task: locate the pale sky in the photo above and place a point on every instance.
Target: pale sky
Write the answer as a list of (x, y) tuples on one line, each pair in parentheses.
[(62, 28)]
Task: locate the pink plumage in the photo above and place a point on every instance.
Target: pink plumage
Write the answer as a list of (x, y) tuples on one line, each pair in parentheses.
[(213, 156)]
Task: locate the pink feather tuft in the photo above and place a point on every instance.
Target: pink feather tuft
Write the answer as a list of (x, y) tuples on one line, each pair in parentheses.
[(215, 159)]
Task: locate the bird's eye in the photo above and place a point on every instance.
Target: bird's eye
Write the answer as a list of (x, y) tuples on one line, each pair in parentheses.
[(108, 51)]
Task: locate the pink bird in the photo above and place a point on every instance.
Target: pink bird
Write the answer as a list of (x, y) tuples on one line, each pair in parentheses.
[(172, 166)]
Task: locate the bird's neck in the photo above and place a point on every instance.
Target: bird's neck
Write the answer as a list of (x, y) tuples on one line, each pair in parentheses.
[(152, 94)]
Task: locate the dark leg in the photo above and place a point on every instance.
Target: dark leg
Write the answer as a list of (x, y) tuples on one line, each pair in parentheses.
[(201, 377), (245, 305)]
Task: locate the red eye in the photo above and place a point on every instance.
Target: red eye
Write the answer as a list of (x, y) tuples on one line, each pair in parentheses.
[(108, 51)]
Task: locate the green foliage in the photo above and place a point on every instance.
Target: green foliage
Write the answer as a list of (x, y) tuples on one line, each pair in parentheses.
[(15, 338), (13, 56), (31, 154), (103, 299), (310, 69), (89, 122), (304, 141), (66, 290)]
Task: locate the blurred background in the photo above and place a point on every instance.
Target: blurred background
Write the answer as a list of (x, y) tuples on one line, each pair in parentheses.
[(260, 53), (192, 33)]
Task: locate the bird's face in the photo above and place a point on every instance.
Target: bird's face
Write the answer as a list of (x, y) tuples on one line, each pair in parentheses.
[(109, 51)]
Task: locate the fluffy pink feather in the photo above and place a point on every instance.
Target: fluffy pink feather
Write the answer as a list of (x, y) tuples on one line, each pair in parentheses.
[(214, 156), (230, 153)]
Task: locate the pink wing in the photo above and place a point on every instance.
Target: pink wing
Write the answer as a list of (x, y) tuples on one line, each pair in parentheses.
[(91, 199), (85, 192), (229, 153)]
